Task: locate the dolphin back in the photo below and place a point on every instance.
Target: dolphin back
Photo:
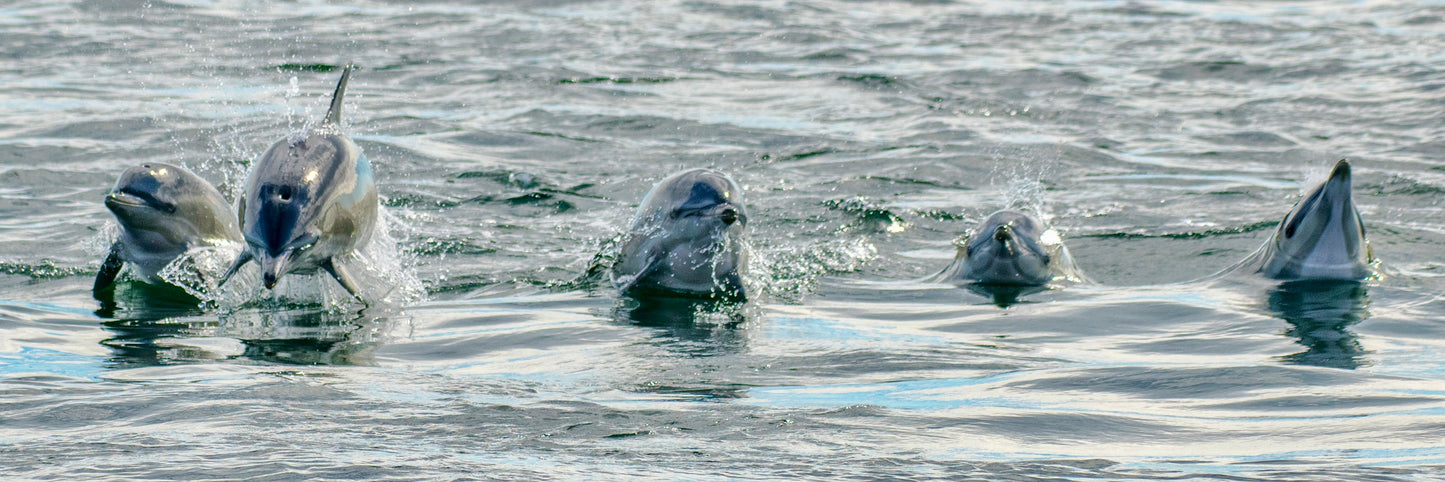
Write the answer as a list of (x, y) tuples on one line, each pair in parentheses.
[(320, 187), (308, 201)]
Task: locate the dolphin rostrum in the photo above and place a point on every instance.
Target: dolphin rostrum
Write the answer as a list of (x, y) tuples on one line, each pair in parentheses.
[(1010, 248), (309, 201), (164, 210), (687, 239), (1322, 238)]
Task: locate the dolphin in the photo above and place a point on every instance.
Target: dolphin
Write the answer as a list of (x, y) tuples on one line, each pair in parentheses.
[(164, 210), (309, 201), (1010, 248), (1322, 237), (687, 239)]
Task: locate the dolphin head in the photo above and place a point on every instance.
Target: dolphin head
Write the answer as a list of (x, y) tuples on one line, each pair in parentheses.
[(1322, 237), (165, 208), (282, 227), (704, 203), (698, 205), (293, 198), (687, 236), (1007, 250)]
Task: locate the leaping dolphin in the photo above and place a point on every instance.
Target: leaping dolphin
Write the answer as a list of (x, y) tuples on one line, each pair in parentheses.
[(308, 202), (1322, 238), (687, 239), (164, 210), (1011, 248)]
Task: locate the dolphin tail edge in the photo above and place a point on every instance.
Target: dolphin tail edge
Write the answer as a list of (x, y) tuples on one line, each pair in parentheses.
[(333, 114), (241, 260), (342, 276)]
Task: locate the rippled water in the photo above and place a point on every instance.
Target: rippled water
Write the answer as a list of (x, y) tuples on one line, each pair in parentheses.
[(512, 142)]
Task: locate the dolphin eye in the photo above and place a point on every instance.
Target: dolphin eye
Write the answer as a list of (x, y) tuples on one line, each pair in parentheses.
[(1289, 227), (284, 192)]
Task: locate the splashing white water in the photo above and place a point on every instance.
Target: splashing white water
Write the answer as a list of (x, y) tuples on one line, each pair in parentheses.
[(99, 245), (382, 272), (1313, 175), (790, 272), (1021, 177), (1025, 194)]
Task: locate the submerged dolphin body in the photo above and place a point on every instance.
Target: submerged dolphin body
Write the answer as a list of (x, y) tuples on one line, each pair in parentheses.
[(1322, 238), (687, 238), (1010, 248), (164, 210), (309, 201)]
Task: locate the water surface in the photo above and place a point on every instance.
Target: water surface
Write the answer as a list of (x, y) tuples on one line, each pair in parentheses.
[(512, 141)]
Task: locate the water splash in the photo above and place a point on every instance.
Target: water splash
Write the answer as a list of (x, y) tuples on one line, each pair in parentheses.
[(385, 275), (390, 267), (197, 270), (1025, 194), (1313, 174), (99, 244), (790, 272)]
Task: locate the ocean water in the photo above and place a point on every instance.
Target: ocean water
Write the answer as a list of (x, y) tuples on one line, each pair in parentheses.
[(513, 140)]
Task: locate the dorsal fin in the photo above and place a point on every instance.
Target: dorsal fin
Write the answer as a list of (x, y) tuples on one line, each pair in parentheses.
[(333, 115)]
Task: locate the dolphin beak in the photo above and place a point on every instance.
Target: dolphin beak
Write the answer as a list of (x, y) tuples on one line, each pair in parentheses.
[(272, 268), (1335, 196), (1338, 186), (119, 200), (1003, 235)]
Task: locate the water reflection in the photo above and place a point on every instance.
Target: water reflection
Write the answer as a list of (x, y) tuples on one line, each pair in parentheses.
[(162, 325), (1319, 314), (1004, 296), (309, 334), (697, 327), (139, 301), (307, 351), (139, 343), (141, 315)]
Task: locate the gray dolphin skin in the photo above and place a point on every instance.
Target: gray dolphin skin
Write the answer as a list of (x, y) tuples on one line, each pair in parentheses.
[(309, 201), (164, 210), (687, 239), (1322, 238), (1008, 248)]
